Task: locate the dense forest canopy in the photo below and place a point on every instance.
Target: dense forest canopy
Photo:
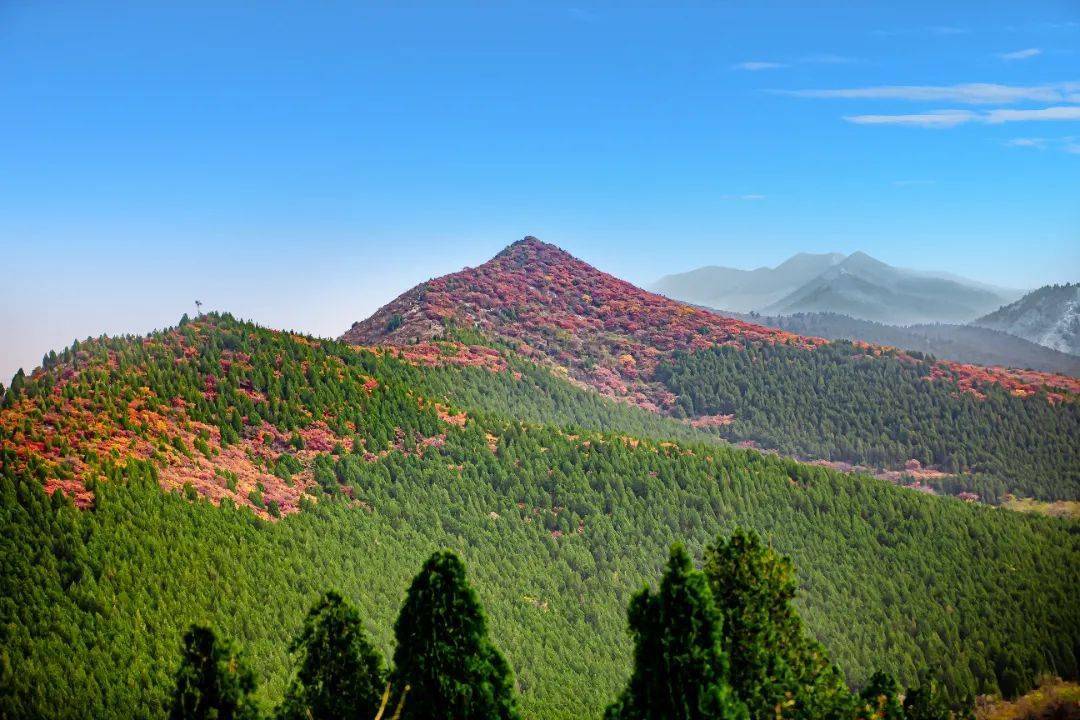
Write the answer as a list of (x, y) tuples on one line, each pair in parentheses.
[(372, 463), (720, 643), (838, 403)]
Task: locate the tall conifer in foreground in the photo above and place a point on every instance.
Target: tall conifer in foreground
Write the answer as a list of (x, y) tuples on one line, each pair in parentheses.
[(680, 669), (341, 675), (213, 682), (443, 652), (777, 668)]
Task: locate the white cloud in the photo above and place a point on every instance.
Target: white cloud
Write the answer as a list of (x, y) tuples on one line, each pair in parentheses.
[(1021, 54), (912, 183), (952, 118), (742, 197), (1067, 144), (1061, 112), (1039, 143), (816, 59), (932, 119), (754, 65), (966, 93)]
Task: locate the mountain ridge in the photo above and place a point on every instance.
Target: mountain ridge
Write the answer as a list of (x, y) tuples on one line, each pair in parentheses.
[(959, 343), (1049, 316), (600, 329), (857, 284), (532, 292)]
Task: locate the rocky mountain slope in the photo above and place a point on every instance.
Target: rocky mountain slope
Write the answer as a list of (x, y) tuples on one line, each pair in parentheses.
[(1049, 316)]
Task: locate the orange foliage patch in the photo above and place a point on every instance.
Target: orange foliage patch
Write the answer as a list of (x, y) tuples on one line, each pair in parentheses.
[(1022, 383), (438, 354), (712, 421), (69, 438)]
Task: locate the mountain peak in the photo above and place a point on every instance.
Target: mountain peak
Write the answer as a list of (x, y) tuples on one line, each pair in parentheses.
[(531, 247), (861, 259), (556, 308)]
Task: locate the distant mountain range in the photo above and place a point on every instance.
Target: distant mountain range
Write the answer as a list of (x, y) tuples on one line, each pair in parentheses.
[(856, 285), (1048, 316), (959, 343)]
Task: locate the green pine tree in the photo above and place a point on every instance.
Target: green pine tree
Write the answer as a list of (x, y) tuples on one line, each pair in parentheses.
[(777, 668), (213, 682), (341, 675), (443, 652), (928, 701), (680, 669), (880, 698)]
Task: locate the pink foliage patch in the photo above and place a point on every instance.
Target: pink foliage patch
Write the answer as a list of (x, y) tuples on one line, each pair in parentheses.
[(602, 332)]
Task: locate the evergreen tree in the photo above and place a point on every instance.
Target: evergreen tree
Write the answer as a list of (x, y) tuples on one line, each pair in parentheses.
[(680, 669), (880, 698), (213, 682), (928, 702), (341, 675), (777, 668), (443, 652)]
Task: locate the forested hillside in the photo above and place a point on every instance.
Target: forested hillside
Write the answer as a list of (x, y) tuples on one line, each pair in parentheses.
[(839, 403), (299, 465), (603, 333)]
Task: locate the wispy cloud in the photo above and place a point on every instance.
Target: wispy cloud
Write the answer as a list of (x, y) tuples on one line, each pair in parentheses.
[(1021, 54), (966, 93), (815, 59), (754, 65), (1061, 112), (952, 118), (1037, 143), (743, 197), (931, 119), (912, 183), (1067, 144)]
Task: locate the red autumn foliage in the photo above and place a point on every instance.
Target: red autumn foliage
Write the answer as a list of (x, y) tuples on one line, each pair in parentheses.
[(604, 333), (438, 354), (554, 308), (68, 435), (712, 421)]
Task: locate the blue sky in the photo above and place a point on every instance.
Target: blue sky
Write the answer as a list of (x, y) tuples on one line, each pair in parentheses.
[(302, 163)]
